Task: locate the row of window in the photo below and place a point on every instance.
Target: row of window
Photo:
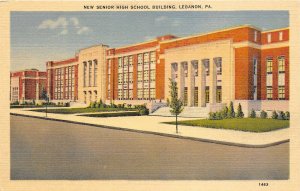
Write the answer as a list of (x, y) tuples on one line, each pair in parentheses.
[(64, 82), (90, 68), (281, 92), (194, 64), (281, 64)]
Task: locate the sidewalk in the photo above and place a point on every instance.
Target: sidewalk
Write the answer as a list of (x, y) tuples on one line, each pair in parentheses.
[(153, 125)]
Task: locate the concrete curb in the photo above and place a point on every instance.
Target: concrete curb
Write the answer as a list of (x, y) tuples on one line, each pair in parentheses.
[(160, 134)]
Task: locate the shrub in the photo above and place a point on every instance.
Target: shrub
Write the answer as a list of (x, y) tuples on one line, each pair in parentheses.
[(263, 114), (212, 116), (119, 105), (224, 112), (281, 115), (252, 114), (67, 104), (168, 102), (100, 102), (104, 105), (231, 113), (274, 115), (142, 109), (219, 115), (239, 113), (287, 115), (129, 105)]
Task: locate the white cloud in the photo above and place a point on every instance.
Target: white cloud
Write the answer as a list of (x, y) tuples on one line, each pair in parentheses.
[(176, 23), (160, 19), (64, 32), (83, 30), (53, 24), (75, 22), (65, 24)]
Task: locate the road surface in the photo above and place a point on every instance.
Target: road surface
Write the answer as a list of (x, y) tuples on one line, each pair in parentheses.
[(52, 150)]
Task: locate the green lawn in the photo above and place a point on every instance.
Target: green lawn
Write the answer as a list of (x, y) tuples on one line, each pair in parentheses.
[(113, 114), (245, 124), (82, 110)]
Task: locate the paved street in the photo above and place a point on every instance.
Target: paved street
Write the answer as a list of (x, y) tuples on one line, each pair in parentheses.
[(44, 149)]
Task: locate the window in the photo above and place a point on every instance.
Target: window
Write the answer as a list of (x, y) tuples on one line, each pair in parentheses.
[(185, 69), (152, 93), (140, 59), (269, 36), (130, 61), (280, 36), (255, 36), (174, 69), (146, 58), (269, 65), (269, 93), (196, 96), (218, 62), (281, 92), (205, 62), (254, 66), (120, 63), (152, 59), (90, 73), (130, 77), (219, 94), (195, 65), (140, 93), (185, 96), (152, 75), (281, 64), (207, 94), (84, 73), (95, 72), (140, 76)]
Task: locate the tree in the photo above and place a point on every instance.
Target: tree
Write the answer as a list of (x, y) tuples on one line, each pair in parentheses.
[(231, 113), (239, 113), (46, 98), (176, 104), (252, 114)]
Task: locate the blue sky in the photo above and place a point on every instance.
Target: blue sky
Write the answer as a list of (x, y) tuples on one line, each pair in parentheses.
[(37, 37)]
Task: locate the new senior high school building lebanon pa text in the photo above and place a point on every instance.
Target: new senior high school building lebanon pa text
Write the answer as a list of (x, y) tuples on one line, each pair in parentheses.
[(241, 64)]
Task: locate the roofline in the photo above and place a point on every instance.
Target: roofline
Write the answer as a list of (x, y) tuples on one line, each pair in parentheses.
[(92, 46), (135, 44), (273, 30), (57, 61), (24, 70), (217, 31)]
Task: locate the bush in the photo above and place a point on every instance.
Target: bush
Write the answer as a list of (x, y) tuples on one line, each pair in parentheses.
[(142, 109), (224, 112), (263, 114), (168, 102), (212, 116), (129, 105), (274, 115), (67, 104), (287, 115), (219, 115), (252, 114), (281, 115), (239, 113), (104, 105), (231, 113)]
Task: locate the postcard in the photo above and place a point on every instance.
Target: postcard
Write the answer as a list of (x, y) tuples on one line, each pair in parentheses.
[(151, 95)]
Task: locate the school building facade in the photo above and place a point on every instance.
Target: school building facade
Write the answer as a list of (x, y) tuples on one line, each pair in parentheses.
[(27, 85), (241, 64)]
